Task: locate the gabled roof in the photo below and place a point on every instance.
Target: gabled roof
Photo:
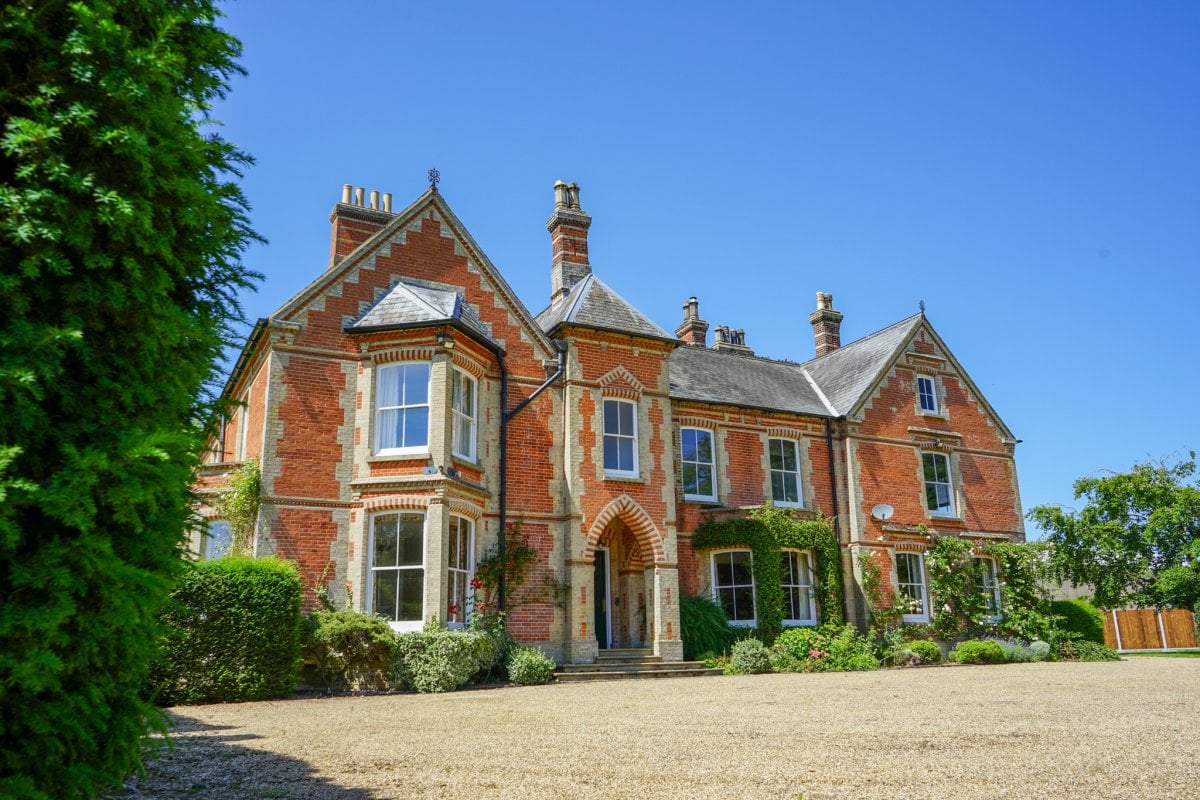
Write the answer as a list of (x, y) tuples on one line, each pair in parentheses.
[(591, 304), (713, 376), (849, 373), (420, 206), (410, 303)]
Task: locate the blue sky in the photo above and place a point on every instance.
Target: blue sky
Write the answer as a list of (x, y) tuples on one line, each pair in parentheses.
[(1030, 171)]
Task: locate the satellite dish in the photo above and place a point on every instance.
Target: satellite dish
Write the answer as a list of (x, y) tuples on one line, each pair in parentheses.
[(882, 512)]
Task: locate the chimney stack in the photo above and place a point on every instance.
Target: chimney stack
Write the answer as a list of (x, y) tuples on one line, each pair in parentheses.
[(354, 221), (827, 325), (693, 330), (568, 228), (731, 340)]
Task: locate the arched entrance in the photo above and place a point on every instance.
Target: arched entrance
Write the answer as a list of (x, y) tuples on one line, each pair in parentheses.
[(623, 615)]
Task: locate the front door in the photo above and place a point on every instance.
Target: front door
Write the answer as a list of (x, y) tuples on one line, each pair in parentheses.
[(600, 598)]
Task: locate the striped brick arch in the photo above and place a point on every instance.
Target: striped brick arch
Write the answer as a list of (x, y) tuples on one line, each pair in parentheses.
[(635, 518)]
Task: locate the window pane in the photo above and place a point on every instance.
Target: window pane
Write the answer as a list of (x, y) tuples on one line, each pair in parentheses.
[(688, 444), (943, 497), (903, 570), (689, 479), (931, 496), (385, 541), (704, 481), (788, 567), (389, 386), (743, 601), (416, 427), (704, 447), (416, 384), (468, 397), (411, 540), (775, 449), (412, 587), (219, 539), (789, 456), (791, 491), (626, 418), (625, 455), (778, 492), (741, 568), (725, 598), (724, 569), (610, 416), (384, 600), (611, 461), (455, 548), (391, 429)]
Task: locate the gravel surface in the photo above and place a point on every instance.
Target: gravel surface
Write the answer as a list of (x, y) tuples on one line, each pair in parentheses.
[(1106, 730)]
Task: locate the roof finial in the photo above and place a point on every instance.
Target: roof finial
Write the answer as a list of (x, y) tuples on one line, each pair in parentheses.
[(434, 178), (921, 303)]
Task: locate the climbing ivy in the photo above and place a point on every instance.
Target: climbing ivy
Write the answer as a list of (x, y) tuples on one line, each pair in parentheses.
[(766, 532), (238, 505)]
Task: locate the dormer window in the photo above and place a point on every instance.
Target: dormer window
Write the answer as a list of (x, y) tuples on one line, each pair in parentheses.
[(927, 394)]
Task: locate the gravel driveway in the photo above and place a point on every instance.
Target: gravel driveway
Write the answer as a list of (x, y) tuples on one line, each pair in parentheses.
[(1124, 729)]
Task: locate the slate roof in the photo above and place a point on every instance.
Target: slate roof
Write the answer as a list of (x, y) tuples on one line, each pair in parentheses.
[(829, 386), (408, 304), (713, 376), (592, 304)]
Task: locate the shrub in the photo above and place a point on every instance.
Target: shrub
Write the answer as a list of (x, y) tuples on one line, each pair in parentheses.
[(1039, 650), (976, 651), (749, 657), (528, 666), (829, 648), (438, 660), (233, 633), (349, 649), (1070, 649), (926, 651), (1080, 617), (1014, 651), (703, 626)]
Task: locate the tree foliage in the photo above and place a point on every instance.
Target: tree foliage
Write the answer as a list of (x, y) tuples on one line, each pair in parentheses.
[(121, 232), (1137, 538)]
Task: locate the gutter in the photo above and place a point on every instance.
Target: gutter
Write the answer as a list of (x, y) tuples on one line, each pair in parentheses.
[(505, 418)]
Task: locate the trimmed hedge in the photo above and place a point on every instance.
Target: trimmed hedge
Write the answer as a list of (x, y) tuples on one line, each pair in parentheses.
[(978, 651), (440, 660), (232, 633), (925, 650), (1081, 617), (528, 666), (349, 649)]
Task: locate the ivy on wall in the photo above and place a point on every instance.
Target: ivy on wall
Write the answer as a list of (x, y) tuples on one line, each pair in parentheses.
[(766, 532)]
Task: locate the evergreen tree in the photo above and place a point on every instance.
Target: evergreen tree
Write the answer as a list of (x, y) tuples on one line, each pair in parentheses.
[(121, 232)]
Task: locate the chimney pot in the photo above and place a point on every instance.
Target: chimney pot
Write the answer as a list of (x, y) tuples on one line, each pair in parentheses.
[(560, 194), (358, 196), (375, 198), (346, 189), (693, 330), (387, 202)]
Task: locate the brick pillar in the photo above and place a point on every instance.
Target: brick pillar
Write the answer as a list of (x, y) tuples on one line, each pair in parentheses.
[(667, 642), (437, 553), (568, 227), (582, 647)]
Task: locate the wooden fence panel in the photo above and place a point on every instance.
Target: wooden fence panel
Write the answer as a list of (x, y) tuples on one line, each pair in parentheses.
[(1145, 629), (1180, 627)]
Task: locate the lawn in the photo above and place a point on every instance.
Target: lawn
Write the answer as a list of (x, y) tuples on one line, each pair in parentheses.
[(1167, 653), (1047, 730)]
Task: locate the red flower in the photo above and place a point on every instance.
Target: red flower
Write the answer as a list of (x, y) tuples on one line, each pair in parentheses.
[(476, 583), (453, 609)]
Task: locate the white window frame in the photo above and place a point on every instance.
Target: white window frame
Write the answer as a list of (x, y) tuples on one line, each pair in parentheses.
[(799, 502), (807, 584), (712, 465), (932, 394), (716, 588), (605, 435), (990, 587), (208, 551), (243, 423), (920, 586), (459, 380), (372, 570), (948, 483), (380, 372), (460, 577)]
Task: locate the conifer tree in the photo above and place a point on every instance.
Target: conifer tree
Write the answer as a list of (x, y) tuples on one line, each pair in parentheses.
[(121, 232)]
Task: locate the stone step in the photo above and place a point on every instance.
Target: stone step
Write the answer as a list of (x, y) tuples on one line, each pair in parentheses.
[(634, 666), (616, 675), (627, 652)]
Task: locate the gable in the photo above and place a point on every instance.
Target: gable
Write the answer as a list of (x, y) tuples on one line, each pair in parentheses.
[(425, 244)]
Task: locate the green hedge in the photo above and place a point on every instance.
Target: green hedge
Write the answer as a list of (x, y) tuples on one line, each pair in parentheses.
[(1081, 617), (440, 660), (766, 532), (232, 633), (349, 650)]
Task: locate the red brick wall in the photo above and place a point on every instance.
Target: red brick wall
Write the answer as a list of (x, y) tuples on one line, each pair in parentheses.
[(312, 416), (304, 535)]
